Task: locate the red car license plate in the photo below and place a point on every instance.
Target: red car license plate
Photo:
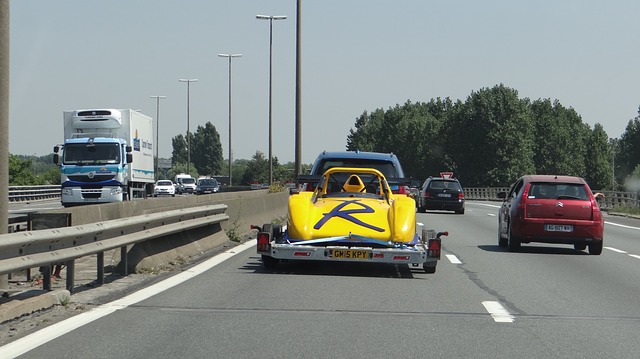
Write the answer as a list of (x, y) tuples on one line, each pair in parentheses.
[(558, 228)]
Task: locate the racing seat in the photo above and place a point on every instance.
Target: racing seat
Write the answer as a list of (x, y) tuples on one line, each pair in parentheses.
[(354, 184)]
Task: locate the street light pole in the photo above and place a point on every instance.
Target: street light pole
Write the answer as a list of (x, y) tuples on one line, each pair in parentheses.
[(298, 114), (157, 145), (270, 18), (230, 56), (188, 81)]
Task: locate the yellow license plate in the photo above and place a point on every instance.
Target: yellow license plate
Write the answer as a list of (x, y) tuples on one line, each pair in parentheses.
[(350, 254)]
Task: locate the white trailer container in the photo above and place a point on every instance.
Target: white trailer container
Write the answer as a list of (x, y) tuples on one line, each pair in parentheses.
[(107, 156)]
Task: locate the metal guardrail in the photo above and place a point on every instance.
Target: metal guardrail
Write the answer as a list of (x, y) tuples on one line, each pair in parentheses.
[(611, 200), (43, 248), (33, 193)]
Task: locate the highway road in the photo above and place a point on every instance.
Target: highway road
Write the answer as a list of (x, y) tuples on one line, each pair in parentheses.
[(547, 301)]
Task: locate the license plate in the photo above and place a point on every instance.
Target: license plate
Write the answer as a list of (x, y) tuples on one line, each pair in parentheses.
[(350, 254), (446, 195), (558, 228), (91, 200)]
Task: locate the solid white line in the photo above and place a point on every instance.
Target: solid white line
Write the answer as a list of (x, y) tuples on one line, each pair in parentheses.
[(498, 312), (54, 331), (488, 205), (453, 259), (615, 250), (634, 256), (620, 225)]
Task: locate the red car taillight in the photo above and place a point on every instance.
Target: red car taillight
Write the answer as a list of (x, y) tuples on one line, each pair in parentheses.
[(460, 196), (596, 214), (427, 194)]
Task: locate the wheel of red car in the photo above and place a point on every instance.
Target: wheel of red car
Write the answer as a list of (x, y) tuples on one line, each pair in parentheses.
[(595, 248), (502, 241), (513, 242)]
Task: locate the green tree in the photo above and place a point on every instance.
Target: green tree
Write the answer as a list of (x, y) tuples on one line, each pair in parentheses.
[(490, 138), (411, 131), (367, 133), (207, 154), (598, 160), (628, 151), (179, 153), (21, 172), (257, 170), (561, 139)]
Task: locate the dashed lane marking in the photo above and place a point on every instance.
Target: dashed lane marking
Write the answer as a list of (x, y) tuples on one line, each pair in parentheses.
[(498, 312), (453, 259)]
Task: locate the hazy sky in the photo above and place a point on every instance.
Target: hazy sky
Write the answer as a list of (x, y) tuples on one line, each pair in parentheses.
[(357, 55)]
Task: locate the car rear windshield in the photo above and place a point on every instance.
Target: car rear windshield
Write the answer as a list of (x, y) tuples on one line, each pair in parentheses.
[(164, 183), (207, 182), (453, 185), (545, 190), (387, 168)]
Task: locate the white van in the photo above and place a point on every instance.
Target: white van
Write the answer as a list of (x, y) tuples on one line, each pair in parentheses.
[(185, 184)]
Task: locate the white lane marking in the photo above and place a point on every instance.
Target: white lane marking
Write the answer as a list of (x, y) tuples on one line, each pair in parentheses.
[(34, 340), (634, 256), (498, 312), (615, 249), (621, 225), (487, 205), (453, 259)]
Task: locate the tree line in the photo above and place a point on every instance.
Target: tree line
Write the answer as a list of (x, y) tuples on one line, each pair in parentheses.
[(494, 137), (207, 160), (488, 140)]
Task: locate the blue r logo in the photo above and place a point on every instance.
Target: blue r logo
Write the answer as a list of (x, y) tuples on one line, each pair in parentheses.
[(346, 214)]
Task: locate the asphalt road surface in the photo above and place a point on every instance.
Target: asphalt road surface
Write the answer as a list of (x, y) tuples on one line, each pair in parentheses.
[(546, 301)]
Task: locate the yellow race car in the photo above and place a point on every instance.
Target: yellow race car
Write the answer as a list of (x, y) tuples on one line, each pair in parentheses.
[(351, 215)]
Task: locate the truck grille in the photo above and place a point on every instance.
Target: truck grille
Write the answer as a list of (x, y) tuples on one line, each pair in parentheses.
[(96, 178)]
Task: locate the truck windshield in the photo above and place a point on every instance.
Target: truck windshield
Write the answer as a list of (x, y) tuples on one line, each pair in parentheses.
[(97, 153)]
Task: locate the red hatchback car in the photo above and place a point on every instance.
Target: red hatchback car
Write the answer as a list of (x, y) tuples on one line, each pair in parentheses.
[(550, 209)]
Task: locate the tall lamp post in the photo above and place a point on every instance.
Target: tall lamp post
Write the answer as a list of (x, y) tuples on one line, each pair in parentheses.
[(270, 18), (157, 97), (230, 56), (188, 81)]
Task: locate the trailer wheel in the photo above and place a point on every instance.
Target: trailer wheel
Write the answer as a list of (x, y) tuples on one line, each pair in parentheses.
[(269, 262), (430, 269)]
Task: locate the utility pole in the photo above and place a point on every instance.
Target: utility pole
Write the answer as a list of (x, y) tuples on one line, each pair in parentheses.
[(157, 145), (4, 124)]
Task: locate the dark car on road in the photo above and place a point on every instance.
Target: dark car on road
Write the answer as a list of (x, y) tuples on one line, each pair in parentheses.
[(441, 193), (207, 185), (550, 209), (387, 163)]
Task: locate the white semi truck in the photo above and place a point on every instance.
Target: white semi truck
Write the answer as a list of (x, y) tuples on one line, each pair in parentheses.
[(107, 156)]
